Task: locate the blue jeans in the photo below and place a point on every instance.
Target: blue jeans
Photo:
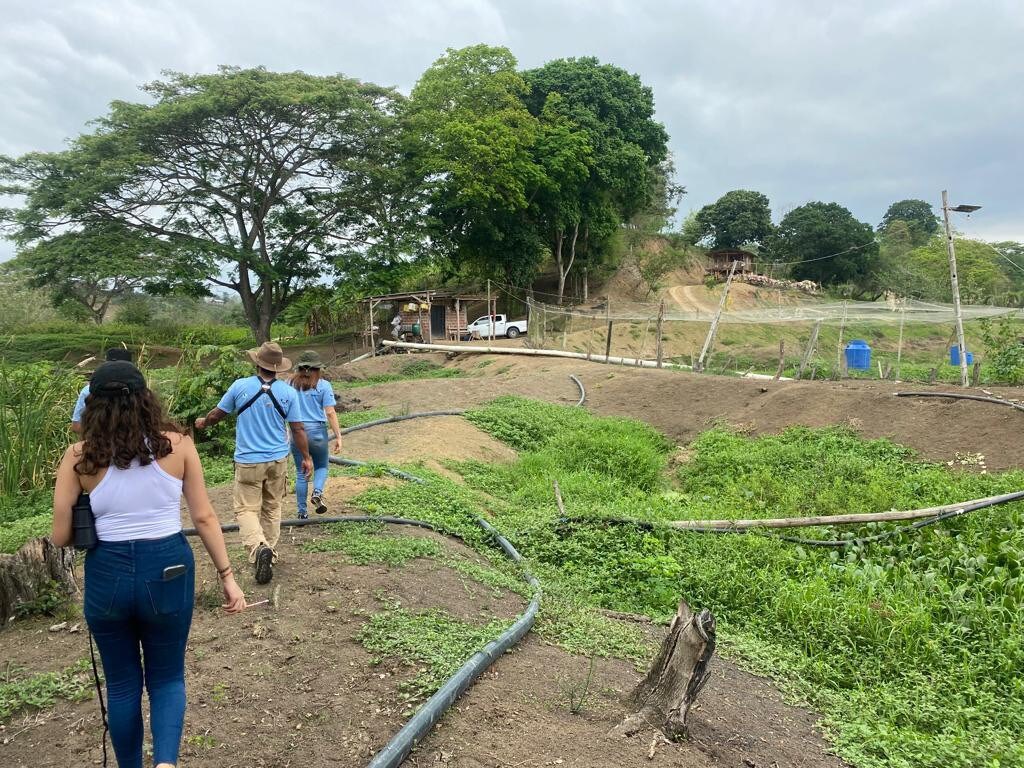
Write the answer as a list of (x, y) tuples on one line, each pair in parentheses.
[(316, 434), (129, 606)]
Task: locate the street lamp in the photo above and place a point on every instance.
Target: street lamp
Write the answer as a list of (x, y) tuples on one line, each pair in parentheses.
[(956, 283)]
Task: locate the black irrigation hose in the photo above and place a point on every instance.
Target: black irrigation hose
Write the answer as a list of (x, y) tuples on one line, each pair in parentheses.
[(427, 716), (583, 392), (390, 470), (963, 396), (392, 419)]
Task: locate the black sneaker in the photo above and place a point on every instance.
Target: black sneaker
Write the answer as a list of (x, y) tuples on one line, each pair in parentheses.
[(317, 500), (264, 564)]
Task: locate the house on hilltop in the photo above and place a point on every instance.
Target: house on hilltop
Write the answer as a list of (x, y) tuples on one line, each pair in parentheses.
[(720, 260)]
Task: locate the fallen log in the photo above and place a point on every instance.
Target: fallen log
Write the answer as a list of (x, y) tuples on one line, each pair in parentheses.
[(662, 700), (31, 573)]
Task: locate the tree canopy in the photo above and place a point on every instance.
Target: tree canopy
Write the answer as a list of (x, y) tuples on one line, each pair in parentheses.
[(917, 215), (737, 218), (979, 271), (264, 176), (825, 243)]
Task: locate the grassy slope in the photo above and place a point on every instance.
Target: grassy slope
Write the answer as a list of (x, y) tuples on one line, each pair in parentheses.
[(911, 648)]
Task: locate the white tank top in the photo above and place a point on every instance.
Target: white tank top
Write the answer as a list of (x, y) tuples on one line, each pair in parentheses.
[(141, 502)]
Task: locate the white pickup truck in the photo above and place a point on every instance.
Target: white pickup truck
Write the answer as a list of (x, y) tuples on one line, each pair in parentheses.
[(502, 327)]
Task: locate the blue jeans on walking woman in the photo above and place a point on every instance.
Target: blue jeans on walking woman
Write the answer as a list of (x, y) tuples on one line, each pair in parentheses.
[(129, 607), (316, 434)]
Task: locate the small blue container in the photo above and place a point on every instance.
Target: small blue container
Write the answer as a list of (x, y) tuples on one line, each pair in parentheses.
[(858, 355), (954, 356)]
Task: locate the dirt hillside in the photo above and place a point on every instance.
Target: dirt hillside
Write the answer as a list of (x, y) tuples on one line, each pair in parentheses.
[(682, 404)]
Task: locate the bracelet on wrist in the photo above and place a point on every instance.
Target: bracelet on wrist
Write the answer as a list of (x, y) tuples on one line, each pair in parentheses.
[(222, 572)]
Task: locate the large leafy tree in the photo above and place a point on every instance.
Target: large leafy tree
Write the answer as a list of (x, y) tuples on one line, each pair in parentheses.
[(917, 214), (264, 176), (825, 243), (626, 148), (99, 264), (980, 272), (739, 217), (469, 136)]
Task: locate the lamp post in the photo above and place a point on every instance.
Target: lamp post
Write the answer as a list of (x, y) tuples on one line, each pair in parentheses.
[(961, 347)]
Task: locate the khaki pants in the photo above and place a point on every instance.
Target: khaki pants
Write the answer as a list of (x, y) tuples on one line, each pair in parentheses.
[(258, 492)]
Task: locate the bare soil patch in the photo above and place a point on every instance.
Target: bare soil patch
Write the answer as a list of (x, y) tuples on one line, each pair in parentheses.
[(683, 404)]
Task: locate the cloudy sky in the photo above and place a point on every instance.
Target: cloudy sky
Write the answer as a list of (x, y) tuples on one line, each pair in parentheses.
[(857, 102)]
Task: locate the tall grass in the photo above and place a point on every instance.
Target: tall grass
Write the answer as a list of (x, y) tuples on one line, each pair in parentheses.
[(35, 412)]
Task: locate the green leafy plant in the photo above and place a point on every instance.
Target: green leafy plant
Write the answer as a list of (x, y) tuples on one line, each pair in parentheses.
[(434, 642), (1004, 347), (366, 543), (41, 691)]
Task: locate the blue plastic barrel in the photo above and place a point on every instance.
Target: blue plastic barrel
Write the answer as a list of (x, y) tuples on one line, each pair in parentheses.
[(858, 355), (954, 356)]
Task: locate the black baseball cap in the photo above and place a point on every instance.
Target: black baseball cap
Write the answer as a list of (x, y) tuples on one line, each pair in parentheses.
[(118, 353), (118, 377)]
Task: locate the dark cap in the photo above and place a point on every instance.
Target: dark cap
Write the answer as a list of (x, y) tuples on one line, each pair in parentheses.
[(118, 353), (116, 378)]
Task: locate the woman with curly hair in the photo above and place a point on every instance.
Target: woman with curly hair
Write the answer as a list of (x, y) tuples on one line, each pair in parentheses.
[(140, 577)]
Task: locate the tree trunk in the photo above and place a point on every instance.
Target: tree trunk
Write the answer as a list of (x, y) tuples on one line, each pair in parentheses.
[(26, 575), (680, 670), (586, 287)]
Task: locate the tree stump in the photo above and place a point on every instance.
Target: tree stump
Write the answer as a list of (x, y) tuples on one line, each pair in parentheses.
[(29, 573), (680, 670)]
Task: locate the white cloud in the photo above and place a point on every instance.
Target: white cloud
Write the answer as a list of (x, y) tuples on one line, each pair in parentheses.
[(862, 103)]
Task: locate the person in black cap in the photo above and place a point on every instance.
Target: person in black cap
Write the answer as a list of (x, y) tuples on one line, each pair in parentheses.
[(114, 353), (135, 465)]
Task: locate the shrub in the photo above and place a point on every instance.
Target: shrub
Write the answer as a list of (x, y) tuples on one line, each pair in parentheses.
[(1004, 347), (35, 415)]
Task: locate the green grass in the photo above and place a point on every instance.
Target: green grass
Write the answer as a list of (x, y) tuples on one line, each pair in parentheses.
[(418, 369), (435, 643), (912, 648), (366, 543), (41, 691)]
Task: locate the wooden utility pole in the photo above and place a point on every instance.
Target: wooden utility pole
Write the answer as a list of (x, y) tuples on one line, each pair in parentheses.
[(661, 323), (839, 349), (373, 346), (490, 314), (899, 348), (714, 322), (956, 292), (811, 345)]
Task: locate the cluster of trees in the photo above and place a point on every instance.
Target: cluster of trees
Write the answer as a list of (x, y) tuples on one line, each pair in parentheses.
[(263, 183), (825, 242)]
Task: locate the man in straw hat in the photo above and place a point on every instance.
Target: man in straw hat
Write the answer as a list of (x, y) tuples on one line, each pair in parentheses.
[(264, 405)]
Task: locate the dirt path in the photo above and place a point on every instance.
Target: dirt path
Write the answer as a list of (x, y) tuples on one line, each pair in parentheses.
[(292, 685)]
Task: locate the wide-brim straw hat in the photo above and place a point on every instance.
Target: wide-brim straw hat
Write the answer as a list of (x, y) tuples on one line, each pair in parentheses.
[(309, 359), (270, 357)]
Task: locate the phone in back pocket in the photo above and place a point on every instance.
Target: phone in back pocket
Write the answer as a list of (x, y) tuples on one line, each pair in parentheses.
[(174, 571)]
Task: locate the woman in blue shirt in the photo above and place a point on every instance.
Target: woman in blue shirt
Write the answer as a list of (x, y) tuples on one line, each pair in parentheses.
[(316, 407)]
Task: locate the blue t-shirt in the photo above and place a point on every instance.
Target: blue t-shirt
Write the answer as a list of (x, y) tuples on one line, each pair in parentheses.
[(76, 415), (260, 433), (313, 401)]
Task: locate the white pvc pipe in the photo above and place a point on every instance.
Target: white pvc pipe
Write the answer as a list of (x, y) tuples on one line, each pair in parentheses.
[(554, 353)]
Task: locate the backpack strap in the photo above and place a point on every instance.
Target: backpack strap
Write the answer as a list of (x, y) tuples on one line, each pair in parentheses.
[(265, 389)]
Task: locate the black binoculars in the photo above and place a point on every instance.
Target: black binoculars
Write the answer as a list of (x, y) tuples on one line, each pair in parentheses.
[(83, 523)]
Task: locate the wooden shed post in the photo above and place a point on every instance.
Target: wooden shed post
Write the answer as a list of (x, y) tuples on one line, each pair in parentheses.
[(373, 346)]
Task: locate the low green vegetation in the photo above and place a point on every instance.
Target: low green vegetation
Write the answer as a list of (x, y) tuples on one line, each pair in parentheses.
[(435, 643), (365, 543), (910, 647), (418, 369), (19, 692)]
